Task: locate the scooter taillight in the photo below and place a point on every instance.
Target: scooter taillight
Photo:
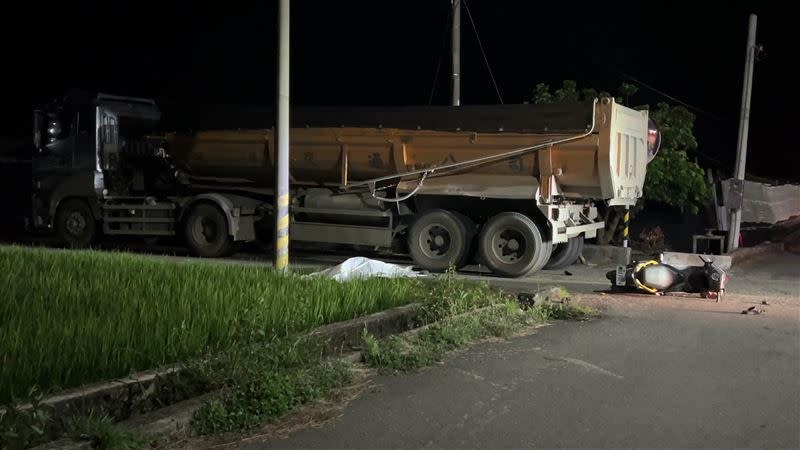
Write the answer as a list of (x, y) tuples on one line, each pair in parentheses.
[(724, 281)]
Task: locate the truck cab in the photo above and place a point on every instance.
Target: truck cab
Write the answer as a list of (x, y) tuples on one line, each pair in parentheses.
[(77, 145), (98, 166)]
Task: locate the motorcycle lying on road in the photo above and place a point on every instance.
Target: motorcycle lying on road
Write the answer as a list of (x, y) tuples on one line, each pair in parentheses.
[(657, 278)]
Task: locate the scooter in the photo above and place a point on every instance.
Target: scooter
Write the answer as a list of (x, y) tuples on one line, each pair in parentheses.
[(657, 278)]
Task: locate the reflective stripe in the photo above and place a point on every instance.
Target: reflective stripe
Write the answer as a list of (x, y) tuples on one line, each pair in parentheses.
[(282, 262), (283, 222), (283, 200)]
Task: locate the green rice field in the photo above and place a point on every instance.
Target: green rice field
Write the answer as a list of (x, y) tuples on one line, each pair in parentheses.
[(72, 317)]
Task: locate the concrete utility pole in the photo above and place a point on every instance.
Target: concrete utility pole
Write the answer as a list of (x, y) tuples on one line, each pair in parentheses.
[(281, 139), (455, 43), (744, 124)]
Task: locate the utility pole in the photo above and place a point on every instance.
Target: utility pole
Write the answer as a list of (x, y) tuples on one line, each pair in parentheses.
[(455, 43), (741, 148), (281, 140)]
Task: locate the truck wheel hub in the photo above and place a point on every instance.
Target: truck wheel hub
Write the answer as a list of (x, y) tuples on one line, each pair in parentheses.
[(205, 231), (435, 241), (76, 223), (509, 246)]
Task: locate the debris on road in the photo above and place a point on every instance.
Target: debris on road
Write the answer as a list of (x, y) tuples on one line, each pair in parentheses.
[(764, 302), (553, 295), (754, 310), (681, 261)]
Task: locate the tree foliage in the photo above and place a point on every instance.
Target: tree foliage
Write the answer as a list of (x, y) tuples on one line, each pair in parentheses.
[(672, 178), (675, 180), (677, 125), (567, 92)]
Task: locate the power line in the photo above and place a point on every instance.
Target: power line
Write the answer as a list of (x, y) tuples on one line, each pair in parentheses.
[(441, 52), (664, 94), (485, 59)]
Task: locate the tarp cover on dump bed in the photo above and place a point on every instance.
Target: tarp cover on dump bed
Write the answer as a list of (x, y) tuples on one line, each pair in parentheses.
[(557, 117)]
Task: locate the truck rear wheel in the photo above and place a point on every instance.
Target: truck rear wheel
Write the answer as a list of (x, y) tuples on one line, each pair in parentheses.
[(565, 254), (547, 251), (439, 239), (511, 244), (75, 224), (207, 232), (472, 230)]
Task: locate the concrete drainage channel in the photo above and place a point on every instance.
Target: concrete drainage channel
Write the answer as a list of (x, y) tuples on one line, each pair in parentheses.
[(117, 396), (172, 418)]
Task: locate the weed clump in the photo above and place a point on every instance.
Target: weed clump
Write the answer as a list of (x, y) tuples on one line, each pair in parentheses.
[(263, 383), (457, 313)]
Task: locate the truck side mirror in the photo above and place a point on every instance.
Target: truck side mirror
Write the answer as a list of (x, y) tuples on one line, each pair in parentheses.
[(39, 122)]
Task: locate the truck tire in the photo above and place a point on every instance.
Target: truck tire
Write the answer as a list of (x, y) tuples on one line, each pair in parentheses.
[(547, 250), (207, 232), (579, 242), (75, 224), (472, 231), (511, 244), (565, 254), (439, 239)]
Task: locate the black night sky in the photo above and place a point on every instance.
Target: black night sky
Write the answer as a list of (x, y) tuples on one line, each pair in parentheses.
[(381, 52)]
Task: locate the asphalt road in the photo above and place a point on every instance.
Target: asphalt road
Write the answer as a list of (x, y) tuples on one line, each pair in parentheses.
[(768, 275), (765, 275), (651, 372)]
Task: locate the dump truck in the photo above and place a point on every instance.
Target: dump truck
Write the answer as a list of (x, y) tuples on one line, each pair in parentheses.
[(513, 187)]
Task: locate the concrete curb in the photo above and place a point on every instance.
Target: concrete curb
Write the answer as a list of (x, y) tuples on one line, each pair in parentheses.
[(64, 444), (603, 255), (683, 260), (343, 337), (170, 420), (128, 391)]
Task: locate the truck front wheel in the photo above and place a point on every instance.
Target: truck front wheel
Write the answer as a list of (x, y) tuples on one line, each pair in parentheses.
[(75, 224), (439, 239), (511, 244), (207, 232)]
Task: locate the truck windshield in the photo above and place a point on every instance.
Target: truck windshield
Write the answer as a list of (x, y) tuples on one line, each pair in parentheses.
[(135, 127)]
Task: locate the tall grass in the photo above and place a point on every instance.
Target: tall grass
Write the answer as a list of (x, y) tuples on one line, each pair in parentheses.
[(71, 317)]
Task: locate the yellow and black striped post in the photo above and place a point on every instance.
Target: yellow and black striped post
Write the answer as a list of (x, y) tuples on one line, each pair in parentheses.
[(282, 233), (281, 139), (625, 224)]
